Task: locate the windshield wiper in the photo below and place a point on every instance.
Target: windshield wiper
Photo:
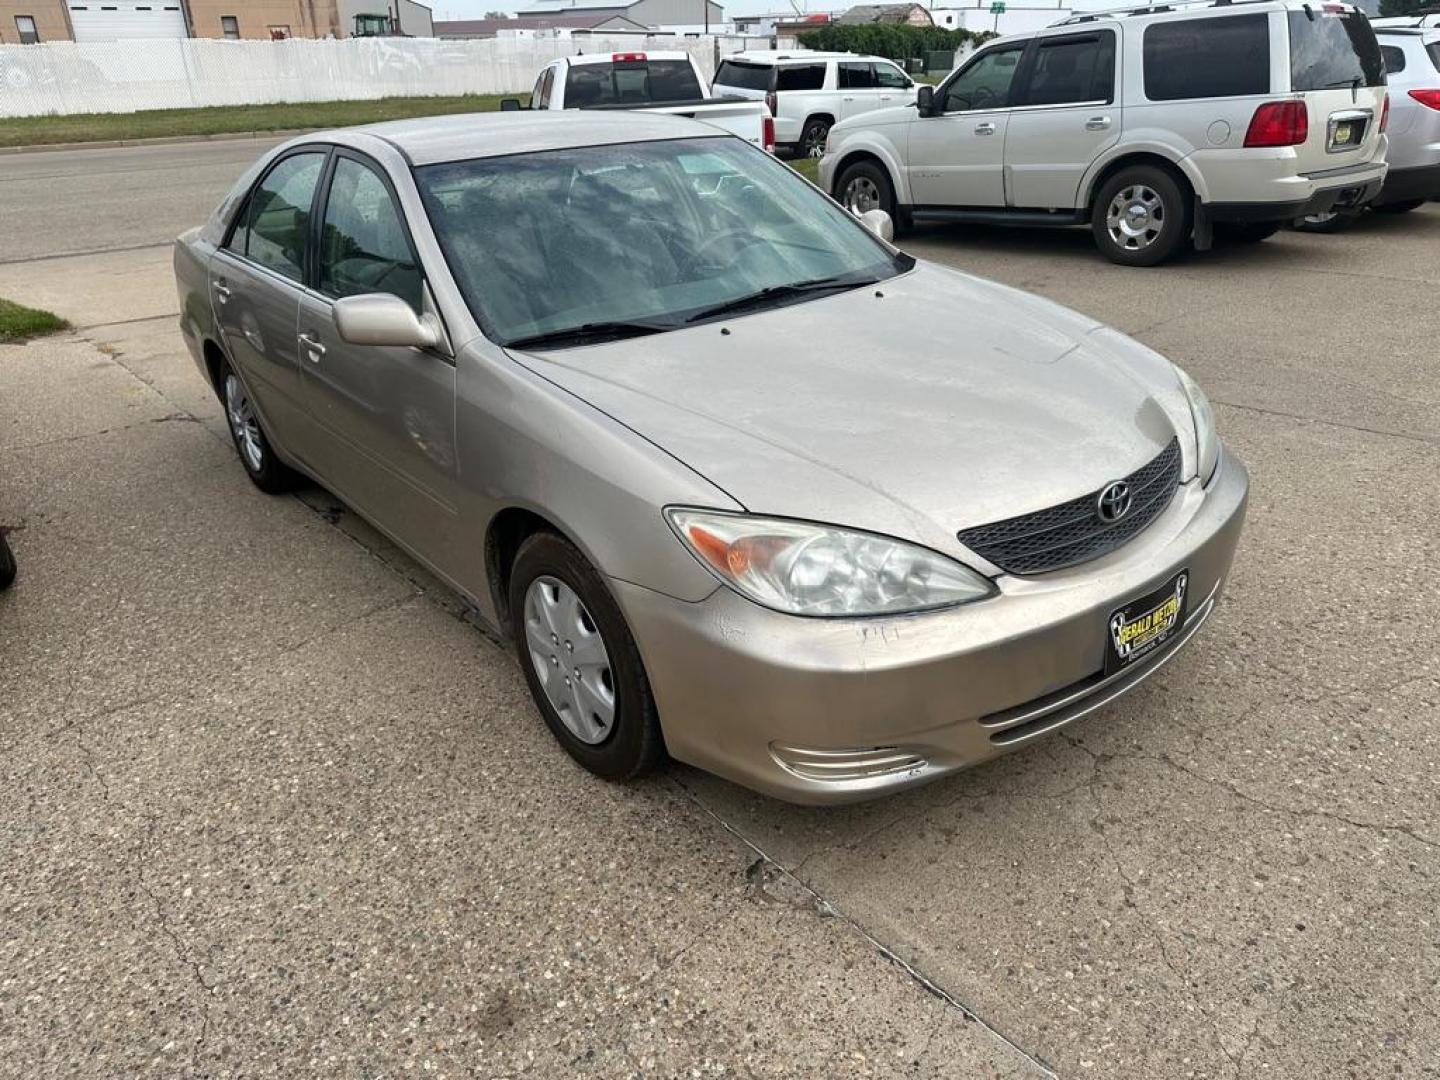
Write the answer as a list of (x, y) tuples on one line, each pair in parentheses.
[(590, 332), (781, 292)]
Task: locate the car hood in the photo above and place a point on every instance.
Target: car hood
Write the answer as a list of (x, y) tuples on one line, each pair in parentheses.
[(928, 404), (894, 114)]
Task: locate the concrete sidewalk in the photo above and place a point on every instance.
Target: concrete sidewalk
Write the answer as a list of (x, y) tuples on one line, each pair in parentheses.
[(270, 809)]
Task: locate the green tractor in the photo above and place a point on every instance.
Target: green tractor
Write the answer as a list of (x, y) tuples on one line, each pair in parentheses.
[(376, 26)]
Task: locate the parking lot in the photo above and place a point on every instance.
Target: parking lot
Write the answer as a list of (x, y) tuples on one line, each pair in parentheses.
[(271, 806)]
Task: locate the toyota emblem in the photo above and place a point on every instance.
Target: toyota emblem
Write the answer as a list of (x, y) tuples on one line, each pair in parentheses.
[(1114, 502)]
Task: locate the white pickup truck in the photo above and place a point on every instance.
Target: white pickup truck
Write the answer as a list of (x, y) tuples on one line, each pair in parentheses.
[(660, 82)]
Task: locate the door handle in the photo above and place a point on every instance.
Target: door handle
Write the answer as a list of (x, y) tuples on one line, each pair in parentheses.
[(1097, 123), (986, 128), (222, 291), (313, 347), (847, 99)]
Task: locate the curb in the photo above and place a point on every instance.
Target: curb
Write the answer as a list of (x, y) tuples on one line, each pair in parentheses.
[(163, 140)]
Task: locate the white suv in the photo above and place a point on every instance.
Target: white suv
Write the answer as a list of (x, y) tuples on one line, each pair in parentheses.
[(1412, 62), (1156, 127), (808, 92)]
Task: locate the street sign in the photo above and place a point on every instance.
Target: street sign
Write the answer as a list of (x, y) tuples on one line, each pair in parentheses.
[(997, 7)]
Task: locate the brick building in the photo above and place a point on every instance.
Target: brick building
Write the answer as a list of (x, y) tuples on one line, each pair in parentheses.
[(26, 22)]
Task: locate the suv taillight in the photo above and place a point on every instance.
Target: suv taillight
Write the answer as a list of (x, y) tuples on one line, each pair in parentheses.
[(1385, 116), (1429, 98), (770, 102), (1279, 123), (767, 133)]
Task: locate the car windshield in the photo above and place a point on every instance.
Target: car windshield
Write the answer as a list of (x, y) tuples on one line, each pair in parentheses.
[(653, 235), (1329, 50)]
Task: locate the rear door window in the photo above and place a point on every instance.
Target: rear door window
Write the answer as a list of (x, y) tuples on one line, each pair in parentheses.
[(857, 77), (1329, 51), (276, 223), (744, 76), (1072, 69), (1219, 56), (800, 77)]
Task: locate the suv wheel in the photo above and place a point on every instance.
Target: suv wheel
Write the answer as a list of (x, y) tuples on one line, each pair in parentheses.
[(1141, 217), (813, 136), (865, 186), (581, 662)]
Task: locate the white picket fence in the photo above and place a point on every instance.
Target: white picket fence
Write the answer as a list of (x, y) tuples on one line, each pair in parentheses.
[(58, 78)]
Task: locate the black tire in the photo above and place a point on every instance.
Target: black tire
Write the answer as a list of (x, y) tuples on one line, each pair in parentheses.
[(878, 195), (1400, 207), (633, 745), (1176, 214), (813, 136), (1330, 222), (1245, 232), (7, 563), (265, 469)]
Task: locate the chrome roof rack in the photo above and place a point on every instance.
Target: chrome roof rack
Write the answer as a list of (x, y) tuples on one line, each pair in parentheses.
[(1153, 9)]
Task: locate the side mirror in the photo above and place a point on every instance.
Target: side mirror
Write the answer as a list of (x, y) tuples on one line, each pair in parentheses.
[(382, 319), (878, 222), (925, 100), (510, 104)]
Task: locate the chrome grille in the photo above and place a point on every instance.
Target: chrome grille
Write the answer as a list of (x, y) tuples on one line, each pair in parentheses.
[(1072, 532)]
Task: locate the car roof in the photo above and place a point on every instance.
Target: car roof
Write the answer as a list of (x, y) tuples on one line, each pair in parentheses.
[(1193, 8), (435, 139), (780, 56)]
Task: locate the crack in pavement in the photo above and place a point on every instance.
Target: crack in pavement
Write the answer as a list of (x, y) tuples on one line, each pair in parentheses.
[(827, 908), (1424, 440)]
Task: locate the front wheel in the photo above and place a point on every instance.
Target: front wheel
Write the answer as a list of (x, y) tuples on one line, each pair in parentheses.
[(580, 661), (1142, 216), (865, 186)]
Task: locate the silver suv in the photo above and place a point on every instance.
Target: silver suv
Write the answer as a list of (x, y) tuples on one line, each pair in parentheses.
[(1157, 127)]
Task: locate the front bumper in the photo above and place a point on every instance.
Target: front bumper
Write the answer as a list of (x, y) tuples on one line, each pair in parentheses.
[(1405, 185), (836, 710)]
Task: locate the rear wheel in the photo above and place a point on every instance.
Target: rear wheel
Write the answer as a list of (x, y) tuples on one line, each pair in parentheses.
[(813, 136), (581, 662), (266, 471), (866, 186), (1245, 232), (1401, 207), (7, 563), (1327, 221), (1141, 217)]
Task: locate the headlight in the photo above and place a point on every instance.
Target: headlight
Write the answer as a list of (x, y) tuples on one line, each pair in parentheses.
[(809, 569), (1206, 440)]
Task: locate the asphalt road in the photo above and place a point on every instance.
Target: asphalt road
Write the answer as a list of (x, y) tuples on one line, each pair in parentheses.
[(270, 809)]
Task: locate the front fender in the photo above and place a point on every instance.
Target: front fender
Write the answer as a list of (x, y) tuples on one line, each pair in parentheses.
[(879, 143)]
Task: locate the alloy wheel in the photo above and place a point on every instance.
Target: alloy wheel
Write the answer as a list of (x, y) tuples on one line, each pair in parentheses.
[(568, 655), (1136, 217), (862, 194), (244, 424)]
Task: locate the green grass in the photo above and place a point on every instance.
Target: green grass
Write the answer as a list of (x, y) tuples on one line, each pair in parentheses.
[(97, 127), (807, 167), (18, 322)]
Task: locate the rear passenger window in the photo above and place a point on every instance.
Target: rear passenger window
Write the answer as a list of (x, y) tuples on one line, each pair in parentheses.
[(1069, 70), (800, 77), (1225, 56), (1394, 59), (364, 248), (276, 221), (857, 77)]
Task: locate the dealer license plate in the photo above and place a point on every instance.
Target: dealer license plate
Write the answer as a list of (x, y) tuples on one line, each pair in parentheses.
[(1144, 626)]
